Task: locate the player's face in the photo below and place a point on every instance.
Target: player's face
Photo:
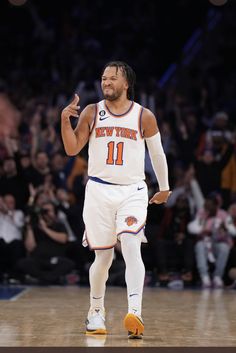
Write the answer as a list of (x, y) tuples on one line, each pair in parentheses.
[(114, 83)]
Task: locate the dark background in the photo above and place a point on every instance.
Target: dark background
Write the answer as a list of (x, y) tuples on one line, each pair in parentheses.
[(76, 38)]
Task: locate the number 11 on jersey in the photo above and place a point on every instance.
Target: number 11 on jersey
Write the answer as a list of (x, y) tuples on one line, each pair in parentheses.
[(119, 153)]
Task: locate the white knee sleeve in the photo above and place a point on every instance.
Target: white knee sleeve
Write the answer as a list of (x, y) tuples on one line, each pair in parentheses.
[(98, 275), (135, 271)]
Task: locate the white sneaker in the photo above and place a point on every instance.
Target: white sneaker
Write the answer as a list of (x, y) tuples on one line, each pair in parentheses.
[(206, 281), (95, 323), (217, 282)]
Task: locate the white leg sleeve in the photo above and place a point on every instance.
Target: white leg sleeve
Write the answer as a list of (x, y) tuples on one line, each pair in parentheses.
[(135, 271), (98, 275)]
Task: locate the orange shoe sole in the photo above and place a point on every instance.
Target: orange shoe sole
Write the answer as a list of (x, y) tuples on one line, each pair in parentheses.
[(97, 332), (133, 325)]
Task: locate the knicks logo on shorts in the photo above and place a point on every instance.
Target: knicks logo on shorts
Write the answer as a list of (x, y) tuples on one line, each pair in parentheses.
[(131, 220)]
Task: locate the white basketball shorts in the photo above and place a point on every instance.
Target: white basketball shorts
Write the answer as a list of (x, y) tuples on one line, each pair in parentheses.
[(111, 210)]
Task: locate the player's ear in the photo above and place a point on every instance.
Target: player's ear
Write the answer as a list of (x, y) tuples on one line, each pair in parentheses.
[(126, 85)]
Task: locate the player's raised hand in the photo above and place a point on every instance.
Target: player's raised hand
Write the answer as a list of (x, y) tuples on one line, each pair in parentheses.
[(160, 197), (72, 109)]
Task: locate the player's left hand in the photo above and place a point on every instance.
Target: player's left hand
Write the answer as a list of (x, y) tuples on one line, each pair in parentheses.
[(160, 197)]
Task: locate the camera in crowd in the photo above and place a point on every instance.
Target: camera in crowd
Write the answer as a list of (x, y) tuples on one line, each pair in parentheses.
[(35, 214)]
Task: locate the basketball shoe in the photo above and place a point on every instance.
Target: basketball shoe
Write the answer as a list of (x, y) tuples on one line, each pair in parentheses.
[(134, 325), (217, 282), (206, 281), (95, 323)]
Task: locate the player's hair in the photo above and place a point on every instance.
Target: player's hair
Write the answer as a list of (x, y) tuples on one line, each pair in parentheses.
[(128, 73)]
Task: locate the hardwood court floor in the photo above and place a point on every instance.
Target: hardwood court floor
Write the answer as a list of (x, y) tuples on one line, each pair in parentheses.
[(54, 317)]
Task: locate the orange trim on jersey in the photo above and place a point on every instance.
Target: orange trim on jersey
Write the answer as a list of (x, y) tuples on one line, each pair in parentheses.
[(140, 123), (103, 247), (94, 119), (97, 247), (120, 115), (130, 231)]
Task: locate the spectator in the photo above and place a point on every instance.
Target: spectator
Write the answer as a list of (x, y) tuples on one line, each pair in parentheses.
[(209, 168), (45, 242), (213, 243), (13, 183), (70, 214), (188, 134), (11, 240), (59, 169), (174, 252), (25, 166), (231, 227), (41, 168), (189, 187)]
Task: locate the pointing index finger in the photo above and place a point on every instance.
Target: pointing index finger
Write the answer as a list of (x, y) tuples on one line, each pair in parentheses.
[(76, 99)]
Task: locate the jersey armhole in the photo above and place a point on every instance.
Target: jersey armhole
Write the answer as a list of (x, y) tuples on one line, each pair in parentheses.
[(140, 123), (94, 120)]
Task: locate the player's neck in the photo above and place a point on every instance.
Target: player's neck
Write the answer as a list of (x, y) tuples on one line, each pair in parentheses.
[(118, 106)]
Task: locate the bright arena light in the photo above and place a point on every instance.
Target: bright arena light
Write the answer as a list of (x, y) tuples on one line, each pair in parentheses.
[(218, 2), (17, 2)]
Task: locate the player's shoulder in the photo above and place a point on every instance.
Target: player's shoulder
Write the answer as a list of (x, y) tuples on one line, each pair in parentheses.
[(88, 113), (94, 107), (90, 108), (148, 114), (148, 122)]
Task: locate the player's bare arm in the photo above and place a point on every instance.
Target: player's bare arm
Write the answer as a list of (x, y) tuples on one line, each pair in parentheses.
[(152, 136), (75, 139), (149, 123)]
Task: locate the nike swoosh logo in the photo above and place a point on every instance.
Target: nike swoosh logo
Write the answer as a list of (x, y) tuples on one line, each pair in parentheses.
[(140, 188), (105, 117), (131, 295)]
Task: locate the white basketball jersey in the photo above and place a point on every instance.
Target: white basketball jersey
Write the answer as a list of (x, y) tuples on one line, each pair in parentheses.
[(116, 146)]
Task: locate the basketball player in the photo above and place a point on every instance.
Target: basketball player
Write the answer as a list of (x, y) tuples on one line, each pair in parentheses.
[(116, 195)]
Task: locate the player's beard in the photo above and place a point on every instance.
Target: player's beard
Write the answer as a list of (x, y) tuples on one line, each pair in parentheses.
[(112, 96)]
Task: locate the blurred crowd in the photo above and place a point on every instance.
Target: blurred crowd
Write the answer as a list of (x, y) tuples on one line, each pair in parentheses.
[(191, 239)]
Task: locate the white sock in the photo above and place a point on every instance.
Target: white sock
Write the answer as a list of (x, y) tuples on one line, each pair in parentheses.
[(134, 273), (98, 275)]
